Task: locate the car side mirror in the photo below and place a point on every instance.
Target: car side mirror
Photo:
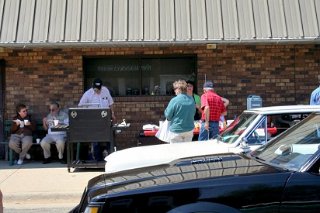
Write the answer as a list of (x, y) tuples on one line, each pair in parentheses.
[(283, 150), (244, 142), (244, 146)]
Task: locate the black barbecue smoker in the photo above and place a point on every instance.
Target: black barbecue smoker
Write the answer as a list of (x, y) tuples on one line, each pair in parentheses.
[(88, 125)]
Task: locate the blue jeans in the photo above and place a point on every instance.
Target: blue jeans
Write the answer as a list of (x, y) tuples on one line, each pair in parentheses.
[(97, 152), (213, 131)]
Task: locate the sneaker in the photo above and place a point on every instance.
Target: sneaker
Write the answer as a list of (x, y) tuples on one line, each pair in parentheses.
[(19, 162), (62, 161), (60, 155), (46, 160), (28, 156)]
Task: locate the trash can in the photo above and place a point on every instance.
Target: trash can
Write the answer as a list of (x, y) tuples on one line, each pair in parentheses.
[(254, 101)]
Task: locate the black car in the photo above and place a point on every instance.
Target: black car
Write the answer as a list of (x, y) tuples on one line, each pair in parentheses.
[(282, 176)]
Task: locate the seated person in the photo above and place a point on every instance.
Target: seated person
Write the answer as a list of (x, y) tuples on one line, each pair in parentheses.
[(59, 137), (21, 133)]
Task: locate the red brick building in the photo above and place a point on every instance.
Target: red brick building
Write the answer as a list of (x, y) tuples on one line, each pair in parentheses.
[(280, 64)]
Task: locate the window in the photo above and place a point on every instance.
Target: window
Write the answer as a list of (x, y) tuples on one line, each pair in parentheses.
[(275, 124), (140, 75)]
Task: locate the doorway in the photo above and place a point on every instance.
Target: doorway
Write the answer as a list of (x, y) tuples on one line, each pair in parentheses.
[(2, 104)]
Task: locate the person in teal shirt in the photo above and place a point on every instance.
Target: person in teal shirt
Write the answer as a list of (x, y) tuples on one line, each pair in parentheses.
[(180, 112)]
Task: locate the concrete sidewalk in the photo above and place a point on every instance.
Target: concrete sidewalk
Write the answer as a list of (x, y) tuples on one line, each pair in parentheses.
[(34, 185)]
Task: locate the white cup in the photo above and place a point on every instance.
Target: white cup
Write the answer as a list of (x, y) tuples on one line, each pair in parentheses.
[(21, 124), (25, 121), (56, 122), (38, 140)]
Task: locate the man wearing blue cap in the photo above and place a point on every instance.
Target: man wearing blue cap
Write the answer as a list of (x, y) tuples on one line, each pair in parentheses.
[(213, 107)]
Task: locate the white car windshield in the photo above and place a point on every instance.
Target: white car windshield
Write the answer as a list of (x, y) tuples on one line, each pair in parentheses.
[(294, 148), (237, 127)]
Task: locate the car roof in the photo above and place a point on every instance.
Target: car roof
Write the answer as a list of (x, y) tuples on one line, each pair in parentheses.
[(286, 108)]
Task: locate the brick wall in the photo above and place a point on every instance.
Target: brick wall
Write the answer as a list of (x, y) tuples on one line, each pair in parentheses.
[(280, 74)]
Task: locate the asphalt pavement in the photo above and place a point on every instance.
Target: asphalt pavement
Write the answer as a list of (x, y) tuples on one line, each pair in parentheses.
[(36, 187)]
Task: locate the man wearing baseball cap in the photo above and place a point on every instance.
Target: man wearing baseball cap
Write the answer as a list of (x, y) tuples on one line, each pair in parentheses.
[(97, 97), (213, 107)]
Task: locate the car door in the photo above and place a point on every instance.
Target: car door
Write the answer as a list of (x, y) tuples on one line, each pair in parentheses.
[(302, 191)]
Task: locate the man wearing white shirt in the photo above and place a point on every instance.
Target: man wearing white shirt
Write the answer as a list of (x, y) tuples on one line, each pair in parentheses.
[(97, 97), (59, 137)]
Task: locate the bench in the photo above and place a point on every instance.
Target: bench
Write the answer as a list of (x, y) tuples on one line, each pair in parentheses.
[(9, 153), (6, 131)]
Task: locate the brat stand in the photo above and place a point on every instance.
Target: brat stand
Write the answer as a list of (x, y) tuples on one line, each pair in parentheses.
[(88, 125)]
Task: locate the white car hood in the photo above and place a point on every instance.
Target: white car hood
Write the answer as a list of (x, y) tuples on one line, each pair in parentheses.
[(144, 156)]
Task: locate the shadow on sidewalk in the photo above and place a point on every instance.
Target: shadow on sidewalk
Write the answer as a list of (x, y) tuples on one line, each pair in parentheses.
[(31, 164)]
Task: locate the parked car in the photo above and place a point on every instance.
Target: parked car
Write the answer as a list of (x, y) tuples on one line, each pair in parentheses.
[(257, 126), (280, 176)]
